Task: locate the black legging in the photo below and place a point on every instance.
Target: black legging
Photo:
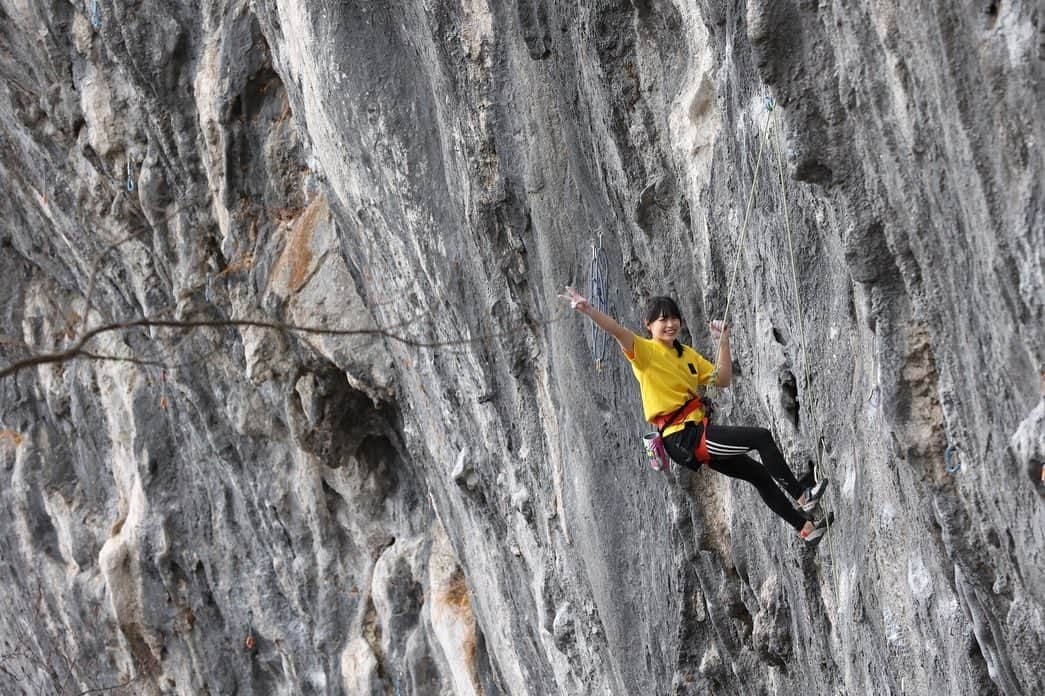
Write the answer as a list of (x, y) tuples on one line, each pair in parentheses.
[(728, 447)]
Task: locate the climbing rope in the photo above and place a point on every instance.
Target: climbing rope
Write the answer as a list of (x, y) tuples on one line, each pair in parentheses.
[(597, 299), (740, 248), (807, 379)]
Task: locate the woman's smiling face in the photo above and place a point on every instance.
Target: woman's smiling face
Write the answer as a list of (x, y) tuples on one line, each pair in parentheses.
[(665, 329)]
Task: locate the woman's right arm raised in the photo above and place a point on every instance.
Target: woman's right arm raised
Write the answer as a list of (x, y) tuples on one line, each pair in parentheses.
[(625, 338)]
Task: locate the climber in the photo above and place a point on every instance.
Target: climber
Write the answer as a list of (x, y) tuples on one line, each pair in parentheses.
[(670, 375)]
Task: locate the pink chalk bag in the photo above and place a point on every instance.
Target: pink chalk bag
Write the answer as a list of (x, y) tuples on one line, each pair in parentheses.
[(657, 456)]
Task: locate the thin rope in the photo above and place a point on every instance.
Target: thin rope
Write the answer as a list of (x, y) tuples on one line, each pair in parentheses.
[(597, 298), (794, 275), (807, 380), (763, 136)]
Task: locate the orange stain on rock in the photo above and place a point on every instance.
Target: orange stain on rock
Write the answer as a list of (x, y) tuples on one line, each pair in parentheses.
[(297, 255), (15, 438)]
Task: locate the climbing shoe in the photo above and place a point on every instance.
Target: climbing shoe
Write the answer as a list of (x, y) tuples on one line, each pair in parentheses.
[(811, 496), (819, 529)]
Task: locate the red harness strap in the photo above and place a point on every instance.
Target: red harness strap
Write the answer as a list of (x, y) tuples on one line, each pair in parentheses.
[(701, 450), (665, 419)]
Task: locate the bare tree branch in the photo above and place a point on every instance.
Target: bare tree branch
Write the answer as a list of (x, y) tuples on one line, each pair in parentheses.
[(132, 361), (96, 265), (128, 682), (79, 348)]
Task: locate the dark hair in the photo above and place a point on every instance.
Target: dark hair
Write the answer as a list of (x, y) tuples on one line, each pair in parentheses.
[(663, 306)]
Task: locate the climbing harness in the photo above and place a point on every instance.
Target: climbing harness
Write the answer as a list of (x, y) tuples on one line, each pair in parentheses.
[(653, 442), (952, 457), (598, 300), (96, 15), (130, 176)]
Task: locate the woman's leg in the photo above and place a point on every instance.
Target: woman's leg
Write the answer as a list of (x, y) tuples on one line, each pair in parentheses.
[(749, 470), (725, 441)]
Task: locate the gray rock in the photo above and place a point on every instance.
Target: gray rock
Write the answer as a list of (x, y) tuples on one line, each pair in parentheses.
[(433, 490)]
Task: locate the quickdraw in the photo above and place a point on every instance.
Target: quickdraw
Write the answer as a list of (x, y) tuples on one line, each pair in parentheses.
[(598, 300), (875, 397)]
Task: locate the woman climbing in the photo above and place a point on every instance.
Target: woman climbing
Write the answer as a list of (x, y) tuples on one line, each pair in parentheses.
[(670, 375)]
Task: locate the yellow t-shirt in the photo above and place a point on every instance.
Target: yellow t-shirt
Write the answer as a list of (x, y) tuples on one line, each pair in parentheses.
[(667, 380)]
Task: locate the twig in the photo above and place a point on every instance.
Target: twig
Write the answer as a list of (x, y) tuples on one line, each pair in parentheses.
[(118, 358), (108, 250), (78, 349), (100, 689)]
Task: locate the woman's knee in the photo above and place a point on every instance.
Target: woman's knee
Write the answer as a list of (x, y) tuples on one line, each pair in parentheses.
[(763, 437), (744, 468)]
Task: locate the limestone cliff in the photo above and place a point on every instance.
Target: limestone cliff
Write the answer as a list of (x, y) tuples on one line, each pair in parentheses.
[(438, 492)]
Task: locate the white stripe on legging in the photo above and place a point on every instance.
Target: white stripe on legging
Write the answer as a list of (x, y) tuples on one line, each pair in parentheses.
[(718, 448)]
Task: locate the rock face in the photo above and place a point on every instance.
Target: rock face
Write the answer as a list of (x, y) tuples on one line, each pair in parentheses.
[(234, 509)]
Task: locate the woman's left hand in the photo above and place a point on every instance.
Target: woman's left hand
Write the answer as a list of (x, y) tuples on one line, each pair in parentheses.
[(576, 300), (718, 329)]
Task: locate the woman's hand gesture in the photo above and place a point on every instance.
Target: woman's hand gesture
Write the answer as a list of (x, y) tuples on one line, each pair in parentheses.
[(576, 300), (579, 302), (718, 329)]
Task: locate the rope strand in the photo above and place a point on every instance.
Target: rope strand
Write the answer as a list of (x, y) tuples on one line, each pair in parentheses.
[(807, 380), (763, 136), (597, 299)]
